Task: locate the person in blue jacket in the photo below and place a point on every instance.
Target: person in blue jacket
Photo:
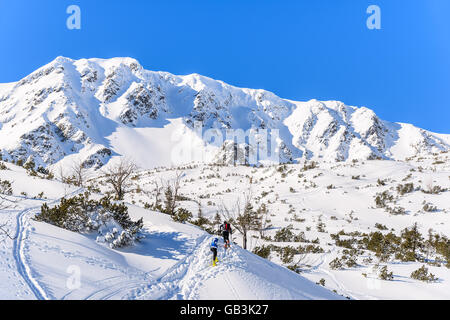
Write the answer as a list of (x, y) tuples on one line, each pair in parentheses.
[(214, 246)]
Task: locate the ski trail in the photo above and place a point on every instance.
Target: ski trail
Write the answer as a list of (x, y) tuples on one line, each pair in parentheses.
[(184, 279), (341, 287), (162, 287), (113, 290), (230, 285), (20, 258), (201, 270)]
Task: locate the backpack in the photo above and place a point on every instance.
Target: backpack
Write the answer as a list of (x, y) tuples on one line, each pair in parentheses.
[(227, 227)]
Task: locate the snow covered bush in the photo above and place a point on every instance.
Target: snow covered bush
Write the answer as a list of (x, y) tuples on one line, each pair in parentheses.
[(433, 189), (403, 189), (383, 198), (396, 210), (284, 235), (263, 251), (428, 207), (310, 166), (385, 274), (182, 215), (82, 214), (348, 261), (287, 254), (6, 187), (422, 274), (336, 264)]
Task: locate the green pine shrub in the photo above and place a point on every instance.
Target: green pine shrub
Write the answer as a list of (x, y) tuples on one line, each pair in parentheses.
[(83, 214), (422, 274)]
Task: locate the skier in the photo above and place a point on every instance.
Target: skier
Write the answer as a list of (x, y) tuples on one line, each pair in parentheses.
[(225, 228), (214, 250)]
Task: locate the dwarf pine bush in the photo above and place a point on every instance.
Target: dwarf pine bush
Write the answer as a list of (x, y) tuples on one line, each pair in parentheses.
[(404, 189), (381, 199), (434, 190), (336, 264), (182, 215), (263, 251), (83, 214), (422, 274), (284, 235), (385, 274), (428, 207), (6, 187)]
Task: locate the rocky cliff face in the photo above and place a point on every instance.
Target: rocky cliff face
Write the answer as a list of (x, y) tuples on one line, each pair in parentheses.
[(71, 107)]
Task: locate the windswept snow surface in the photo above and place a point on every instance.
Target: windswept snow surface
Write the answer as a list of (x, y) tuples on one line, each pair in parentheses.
[(172, 262)]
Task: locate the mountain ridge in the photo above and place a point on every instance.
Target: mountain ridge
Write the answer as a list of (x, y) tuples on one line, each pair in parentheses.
[(75, 108)]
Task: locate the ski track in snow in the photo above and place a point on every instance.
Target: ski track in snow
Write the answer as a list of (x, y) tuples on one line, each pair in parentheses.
[(323, 260), (182, 281), (186, 278), (20, 257), (162, 287), (233, 289), (172, 284)]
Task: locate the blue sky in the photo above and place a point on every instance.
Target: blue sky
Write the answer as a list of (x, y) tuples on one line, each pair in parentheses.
[(298, 49)]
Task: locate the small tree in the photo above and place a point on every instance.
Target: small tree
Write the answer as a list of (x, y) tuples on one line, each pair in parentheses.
[(118, 176), (158, 188), (242, 217), (172, 194), (79, 173), (217, 221), (170, 203), (412, 241), (263, 213)]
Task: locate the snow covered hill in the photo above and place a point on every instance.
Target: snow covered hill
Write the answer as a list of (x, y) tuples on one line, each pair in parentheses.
[(329, 208), (93, 109), (173, 261), (327, 211)]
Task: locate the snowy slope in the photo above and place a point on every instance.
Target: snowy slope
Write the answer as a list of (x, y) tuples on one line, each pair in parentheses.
[(95, 109), (172, 262), (342, 197)]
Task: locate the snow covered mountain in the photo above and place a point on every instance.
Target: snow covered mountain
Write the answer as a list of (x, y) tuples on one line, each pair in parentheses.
[(94, 109)]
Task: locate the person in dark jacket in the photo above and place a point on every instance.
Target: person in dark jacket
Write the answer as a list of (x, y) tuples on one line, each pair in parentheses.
[(226, 230)]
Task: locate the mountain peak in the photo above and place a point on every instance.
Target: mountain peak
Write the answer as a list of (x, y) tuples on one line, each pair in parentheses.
[(89, 108)]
